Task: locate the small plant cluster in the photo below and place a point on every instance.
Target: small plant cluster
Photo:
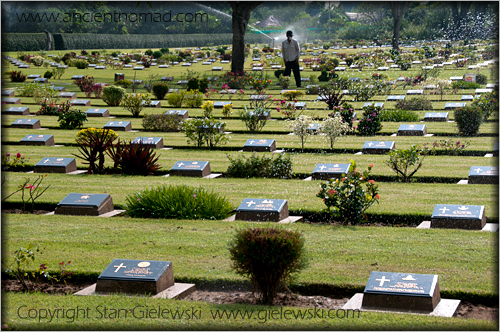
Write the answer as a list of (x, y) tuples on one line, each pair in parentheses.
[(468, 120), (160, 90), (255, 119), (346, 198), (346, 111), (134, 159), (16, 76), (414, 104), (113, 95), (135, 102), (335, 126), (235, 80), (487, 103), (68, 117), (370, 124), (332, 94), (269, 257), (261, 166), (9, 161), (205, 131), (192, 98), (300, 128), (465, 85), (199, 84), (406, 162), (260, 84), (27, 276), (93, 145), (30, 192), (208, 108), (88, 86), (292, 95), (449, 146), (178, 202), (362, 92), (161, 122), (396, 115)]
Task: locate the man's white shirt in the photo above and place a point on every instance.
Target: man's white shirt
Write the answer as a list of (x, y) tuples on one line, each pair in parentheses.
[(290, 50)]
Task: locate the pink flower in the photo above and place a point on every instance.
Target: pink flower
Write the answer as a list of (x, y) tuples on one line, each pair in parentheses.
[(18, 155), (194, 195), (138, 199), (8, 154)]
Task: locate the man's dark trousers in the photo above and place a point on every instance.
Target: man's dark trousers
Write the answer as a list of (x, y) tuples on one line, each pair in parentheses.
[(293, 65)]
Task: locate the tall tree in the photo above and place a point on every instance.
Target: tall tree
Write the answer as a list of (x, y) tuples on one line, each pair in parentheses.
[(459, 10), (398, 9), (241, 15)]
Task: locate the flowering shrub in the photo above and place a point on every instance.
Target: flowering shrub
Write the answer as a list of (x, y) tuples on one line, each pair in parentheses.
[(292, 95), (208, 107), (71, 119), (9, 161), (205, 131), (370, 124), (260, 84), (448, 145), (346, 112), (487, 103), (235, 80), (254, 118), (34, 191), (346, 198), (299, 127), (133, 102), (284, 81), (48, 108), (335, 126), (177, 98), (193, 98), (97, 89), (286, 108), (362, 92), (44, 92), (227, 110), (278, 165)]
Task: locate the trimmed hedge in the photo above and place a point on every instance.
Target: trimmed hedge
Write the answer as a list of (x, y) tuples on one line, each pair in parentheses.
[(12, 42)]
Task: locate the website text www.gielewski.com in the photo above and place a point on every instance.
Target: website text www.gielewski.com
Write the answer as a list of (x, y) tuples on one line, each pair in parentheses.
[(166, 17), (157, 312)]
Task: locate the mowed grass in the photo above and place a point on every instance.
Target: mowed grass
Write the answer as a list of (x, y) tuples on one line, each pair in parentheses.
[(395, 198), (138, 313), (338, 255)]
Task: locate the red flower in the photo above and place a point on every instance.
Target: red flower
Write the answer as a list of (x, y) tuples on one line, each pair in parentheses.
[(371, 165), (18, 155), (371, 181), (377, 196)]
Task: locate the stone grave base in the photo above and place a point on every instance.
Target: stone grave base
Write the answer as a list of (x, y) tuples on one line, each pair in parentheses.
[(70, 173), (177, 291), (289, 220), (488, 227), (210, 176), (105, 215), (445, 307), (105, 207), (489, 155), (482, 179)]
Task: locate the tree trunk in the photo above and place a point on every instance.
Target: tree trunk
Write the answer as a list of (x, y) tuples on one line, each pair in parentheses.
[(398, 9), (241, 15)]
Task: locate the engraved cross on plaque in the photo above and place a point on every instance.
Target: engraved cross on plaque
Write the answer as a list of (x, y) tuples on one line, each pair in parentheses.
[(250, 203), (443, 209), (119, 267), (370, 144), (382, 280), (180, 164), (251, 142), (322, 167), (478, 170)]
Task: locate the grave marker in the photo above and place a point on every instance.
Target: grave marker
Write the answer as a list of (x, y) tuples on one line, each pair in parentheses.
[(154, 142), (470, 78), (381, 105), (182, 114), (41, 80), (483, 175), (436, 117), (378, 147), (451, 106), (135, 277), (152, 103), (415, 92), (80, 102), (395, 98), (26, 124), (118, 125), (9, 93), (412, 130), (458, 216), (77, 204), (221, 104), (413, 292), (55, 165), (97, 112), (258, 209), (69, 95), (17, 110), (260, 145), (11, 100), (328, 171), (38, 140), (191, 168)]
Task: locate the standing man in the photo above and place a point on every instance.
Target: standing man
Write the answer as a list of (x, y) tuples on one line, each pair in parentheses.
[(290, 51)]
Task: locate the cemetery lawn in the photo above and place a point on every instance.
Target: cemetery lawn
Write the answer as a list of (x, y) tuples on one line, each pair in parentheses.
[(301, 195), (124, 313)]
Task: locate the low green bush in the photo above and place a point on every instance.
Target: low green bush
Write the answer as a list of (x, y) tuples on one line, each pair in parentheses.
[(71, 119), (178, 202), (395, 115), (465, 85), (124, 83), (370, 124), (268, 257), (414, 104), (161, 122), (81, 64), (193, 99), (255, 119), (160, 90), (112, 95), (261, 166), (468, 120), (176, 99), (481, 79), (205, 131)]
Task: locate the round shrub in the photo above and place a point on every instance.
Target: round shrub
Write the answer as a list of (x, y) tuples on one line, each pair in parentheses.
[(178, 202), (414, 104), (468, 120), (370, 124), (112, 95), (268, 257), (157, 54), (160, 90), (48, 74)]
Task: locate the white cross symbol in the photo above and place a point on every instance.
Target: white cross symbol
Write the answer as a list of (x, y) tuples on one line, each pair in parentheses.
[(370, 144), (444, 209), (29, 137), (251, 142), (119, 267), (382, 280), (111, 123), (180, 164), (322, 167), (250, 203), (478, 170), (412, 126), (19, 121)]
